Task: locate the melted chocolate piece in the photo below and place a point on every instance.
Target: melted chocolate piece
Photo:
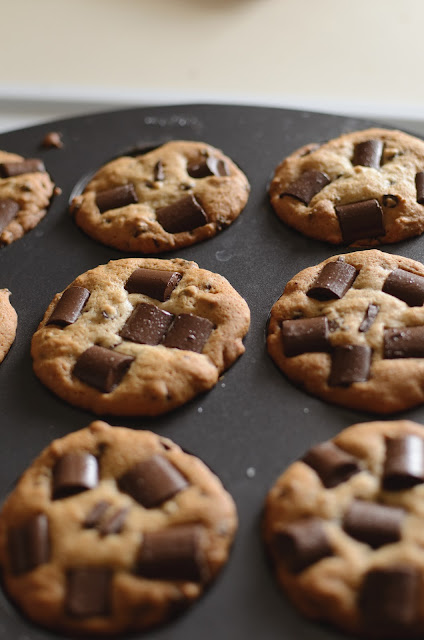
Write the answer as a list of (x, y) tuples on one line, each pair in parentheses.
[(53, 139), (333, 281), (147, 324), (96, 514), (74, 473), (360, 220), (406, 286), (350, 363), (152, 481), (29, 545), (332, 464), (173, 554), (158, 172), (69, 307), (155, 283), (8, 210), (88, 592), (303, 543), (306, 335), (31, 165), (102, 368), (307, 186), (375, 524), (404, 463), (370, 316), (183, 215), (368, 153), (116, 197), (390, 201), (209, 166), (189, 332), (404, 343), (115, 523), (419, 183)]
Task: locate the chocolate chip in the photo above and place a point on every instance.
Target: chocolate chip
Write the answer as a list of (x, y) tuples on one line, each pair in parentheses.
[(158, 172), (115, 523), (303, 543), (155, 283), (307, 186), (29, 545), (306, 335), (102, 368), (8, 210), (349, 363), (116, 197), (419, 183), (210, 166), (390, 201), (368, 153), (95, 515), (333, 281), (31, 165), (406, 286), (369, 317), (332, 464), (147, 324), (69, 307), (360, 220), (53, 139), (189, 332), (404, 463), (152, 481), (183, 215), (88, 592), (407, 342), (73, 473), (375, 524)]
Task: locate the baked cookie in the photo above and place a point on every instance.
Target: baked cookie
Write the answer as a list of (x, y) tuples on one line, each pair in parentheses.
[(139, 336), (363, 188), (345, 530), (171, 197), (113, 530), (25, 193), (351, 331), (8, 323)]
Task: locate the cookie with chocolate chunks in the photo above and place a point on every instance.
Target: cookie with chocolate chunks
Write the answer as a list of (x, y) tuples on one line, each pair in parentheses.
[(8, 323), (113, 530), (180, 193), (351, 331), (139, 336), (364, 188), (343, 526)]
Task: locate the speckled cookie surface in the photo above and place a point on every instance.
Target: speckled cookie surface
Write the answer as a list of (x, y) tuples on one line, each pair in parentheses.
[(363, 189), (25, 193), (174, 196), (139, 336), (113, 530), (351, 331), (344, 528), (8, 323)]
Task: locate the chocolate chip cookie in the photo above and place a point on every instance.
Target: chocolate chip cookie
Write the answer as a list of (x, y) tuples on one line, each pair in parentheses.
[(8, 323), (139, 336), (362, 189), (351, 331), (174, 196), (113, 530)]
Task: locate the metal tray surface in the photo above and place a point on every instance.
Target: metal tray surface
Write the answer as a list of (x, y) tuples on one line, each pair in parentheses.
[(254, 423)]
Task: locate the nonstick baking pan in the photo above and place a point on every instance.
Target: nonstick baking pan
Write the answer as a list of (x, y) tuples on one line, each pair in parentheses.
[(254, 423)]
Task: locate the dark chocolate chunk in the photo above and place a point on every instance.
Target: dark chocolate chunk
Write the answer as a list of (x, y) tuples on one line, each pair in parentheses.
[(210, 166), (183, 215), (370, 316), (419, 183), (147, 324), (52, 139), (88, 592), (332, 464), (390, 201), (333, 281), (69, 307), (307, 186), (31, 165), (189, 332), (8, 210), (349, 363), (406, 286), (306, 335), (152, 481), (302, 543), (173, 554), (102, 368), (155, 283), (73, 473), (96, 514), (158, 172), (360, 220), (368, 153), (375, 524), (29, 544), (404, 343), (404, 463), (116, 197), (115, 523)]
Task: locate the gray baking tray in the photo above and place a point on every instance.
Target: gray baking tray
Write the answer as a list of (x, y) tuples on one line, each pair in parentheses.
[(254, 423)]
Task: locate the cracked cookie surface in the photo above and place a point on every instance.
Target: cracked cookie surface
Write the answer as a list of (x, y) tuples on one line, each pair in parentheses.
[(8, 323)]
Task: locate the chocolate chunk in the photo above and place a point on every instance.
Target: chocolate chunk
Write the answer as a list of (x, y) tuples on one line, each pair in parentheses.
[(189, 332), (29, 545), (147, 324), (209, 166), (349, 363), (370, 316), (307, 186), (404, 463), (52, 139), (368, 153), (390, 201), (102, 368), (375, 524), (8, 210), (333, 281), (95, 515), (406, 286), (332, 464), (303, 543), (152, 481), (116, 197), (88, 592), (419, 183), (31, 165), (74, 473), (360, 220), (173, 554), (155, 283), (306, 335), (158, 172), (404, 343), (115, 523), (69, 307), (183, 215)]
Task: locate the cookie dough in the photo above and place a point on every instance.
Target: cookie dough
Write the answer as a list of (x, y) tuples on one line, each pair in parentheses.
[(8, 323), (362, 189), (174, 196), (113, 530)]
